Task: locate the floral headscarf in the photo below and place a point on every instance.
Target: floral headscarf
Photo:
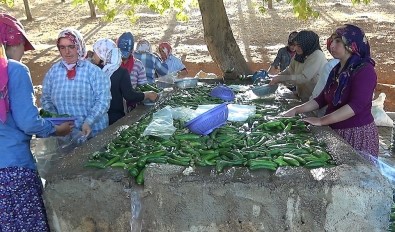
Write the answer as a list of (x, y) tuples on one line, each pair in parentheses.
[(109, 53), (76, 38), (355, 41), (309, 42), (166, 48), (143, 46)]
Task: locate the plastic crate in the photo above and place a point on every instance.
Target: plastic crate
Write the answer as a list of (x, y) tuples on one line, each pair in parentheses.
[(205, 123), (223, 92)]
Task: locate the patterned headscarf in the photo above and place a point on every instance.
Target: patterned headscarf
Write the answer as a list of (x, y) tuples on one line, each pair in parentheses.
[(109, 53), (143, 46), (357, 44), (12, 32), (4, 102), (166, 48), (76, 38), (309, 42)]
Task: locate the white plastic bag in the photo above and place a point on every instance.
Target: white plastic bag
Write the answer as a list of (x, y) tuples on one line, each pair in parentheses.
[(380, 116)]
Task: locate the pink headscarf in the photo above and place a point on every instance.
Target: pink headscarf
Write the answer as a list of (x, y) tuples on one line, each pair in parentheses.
[(11, 33), (4, 103), (166, 48)]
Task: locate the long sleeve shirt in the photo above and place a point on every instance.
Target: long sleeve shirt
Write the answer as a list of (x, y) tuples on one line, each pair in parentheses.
[(174, 64), (358, 94), (304, 75), (283, 59), (121, 88), (138, 75), (87, 97), (23, 120), (152, 65)]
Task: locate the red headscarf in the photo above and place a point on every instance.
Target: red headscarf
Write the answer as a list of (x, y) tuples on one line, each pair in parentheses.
[(166, 48)]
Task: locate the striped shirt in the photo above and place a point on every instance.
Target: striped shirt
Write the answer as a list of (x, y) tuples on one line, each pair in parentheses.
[(152, 65), (138, 76), (87, 97)]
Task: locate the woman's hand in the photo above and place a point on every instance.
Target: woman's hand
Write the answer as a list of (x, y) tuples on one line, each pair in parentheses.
[(289, 113), (313, 121), (151, 95), (275, 79), (86, 129), (64, 128)]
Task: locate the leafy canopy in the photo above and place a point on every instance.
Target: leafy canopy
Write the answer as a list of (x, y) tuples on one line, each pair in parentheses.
[(301, 8)]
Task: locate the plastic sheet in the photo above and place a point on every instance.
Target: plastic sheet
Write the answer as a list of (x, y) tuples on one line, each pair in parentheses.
[(161, 124)]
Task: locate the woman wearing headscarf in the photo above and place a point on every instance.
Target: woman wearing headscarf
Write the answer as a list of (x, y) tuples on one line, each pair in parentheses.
[(348, 92), (76, 87), (304, 68), (153, 65), (21, 203), (174, 64), (108, 57)]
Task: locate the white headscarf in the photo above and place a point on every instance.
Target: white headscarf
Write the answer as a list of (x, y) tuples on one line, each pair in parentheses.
[(109, 53), (143, 46)]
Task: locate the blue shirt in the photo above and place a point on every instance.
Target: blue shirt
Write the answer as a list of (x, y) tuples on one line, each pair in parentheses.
[(87, 97), (174, 64), (152, 64), (23, 120)]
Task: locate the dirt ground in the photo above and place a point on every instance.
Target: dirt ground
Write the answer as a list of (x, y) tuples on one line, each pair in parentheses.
[(259, 35)]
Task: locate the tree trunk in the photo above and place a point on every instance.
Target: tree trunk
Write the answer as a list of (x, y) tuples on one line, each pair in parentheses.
[(219, 39), (270, 4), (29, 16), (92, 9)]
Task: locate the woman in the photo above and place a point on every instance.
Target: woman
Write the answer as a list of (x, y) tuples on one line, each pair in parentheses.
[(348, 92), (152, 63), (76, 87), (174, 64), (21, 203), (134, 66), (284, 55), (108, 57), (304, 69)]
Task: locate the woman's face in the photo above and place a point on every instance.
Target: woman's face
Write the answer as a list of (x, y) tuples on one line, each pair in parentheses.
[(292, 47), (298, 49), (162, 54), (68, 51), (338, 50), (15, 52)]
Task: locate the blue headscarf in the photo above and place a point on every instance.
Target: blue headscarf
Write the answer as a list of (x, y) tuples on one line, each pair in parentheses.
[(355, 42)]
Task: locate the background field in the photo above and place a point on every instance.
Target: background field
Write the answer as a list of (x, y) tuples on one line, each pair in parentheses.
[(258, 35)]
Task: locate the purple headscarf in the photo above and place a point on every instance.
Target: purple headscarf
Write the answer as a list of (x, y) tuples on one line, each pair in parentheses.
[(355, 42)]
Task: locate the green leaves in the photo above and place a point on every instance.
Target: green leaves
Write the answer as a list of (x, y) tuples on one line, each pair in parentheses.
[(9, 3)]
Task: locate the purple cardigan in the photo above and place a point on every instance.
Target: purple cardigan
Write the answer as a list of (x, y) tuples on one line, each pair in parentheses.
[(358, 94)]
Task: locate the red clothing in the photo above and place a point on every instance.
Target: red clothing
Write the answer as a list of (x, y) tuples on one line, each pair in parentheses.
[(358, 94)]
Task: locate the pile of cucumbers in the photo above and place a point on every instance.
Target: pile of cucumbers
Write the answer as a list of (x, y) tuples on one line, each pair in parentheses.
[(262, 142)]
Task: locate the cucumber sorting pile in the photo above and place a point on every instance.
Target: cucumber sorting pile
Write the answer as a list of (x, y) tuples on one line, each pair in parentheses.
[(262, 142)]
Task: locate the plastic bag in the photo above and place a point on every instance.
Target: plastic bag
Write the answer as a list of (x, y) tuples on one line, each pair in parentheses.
[(169, 78), (182, 113), (380, 116), (162, 124), (240, 113)]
